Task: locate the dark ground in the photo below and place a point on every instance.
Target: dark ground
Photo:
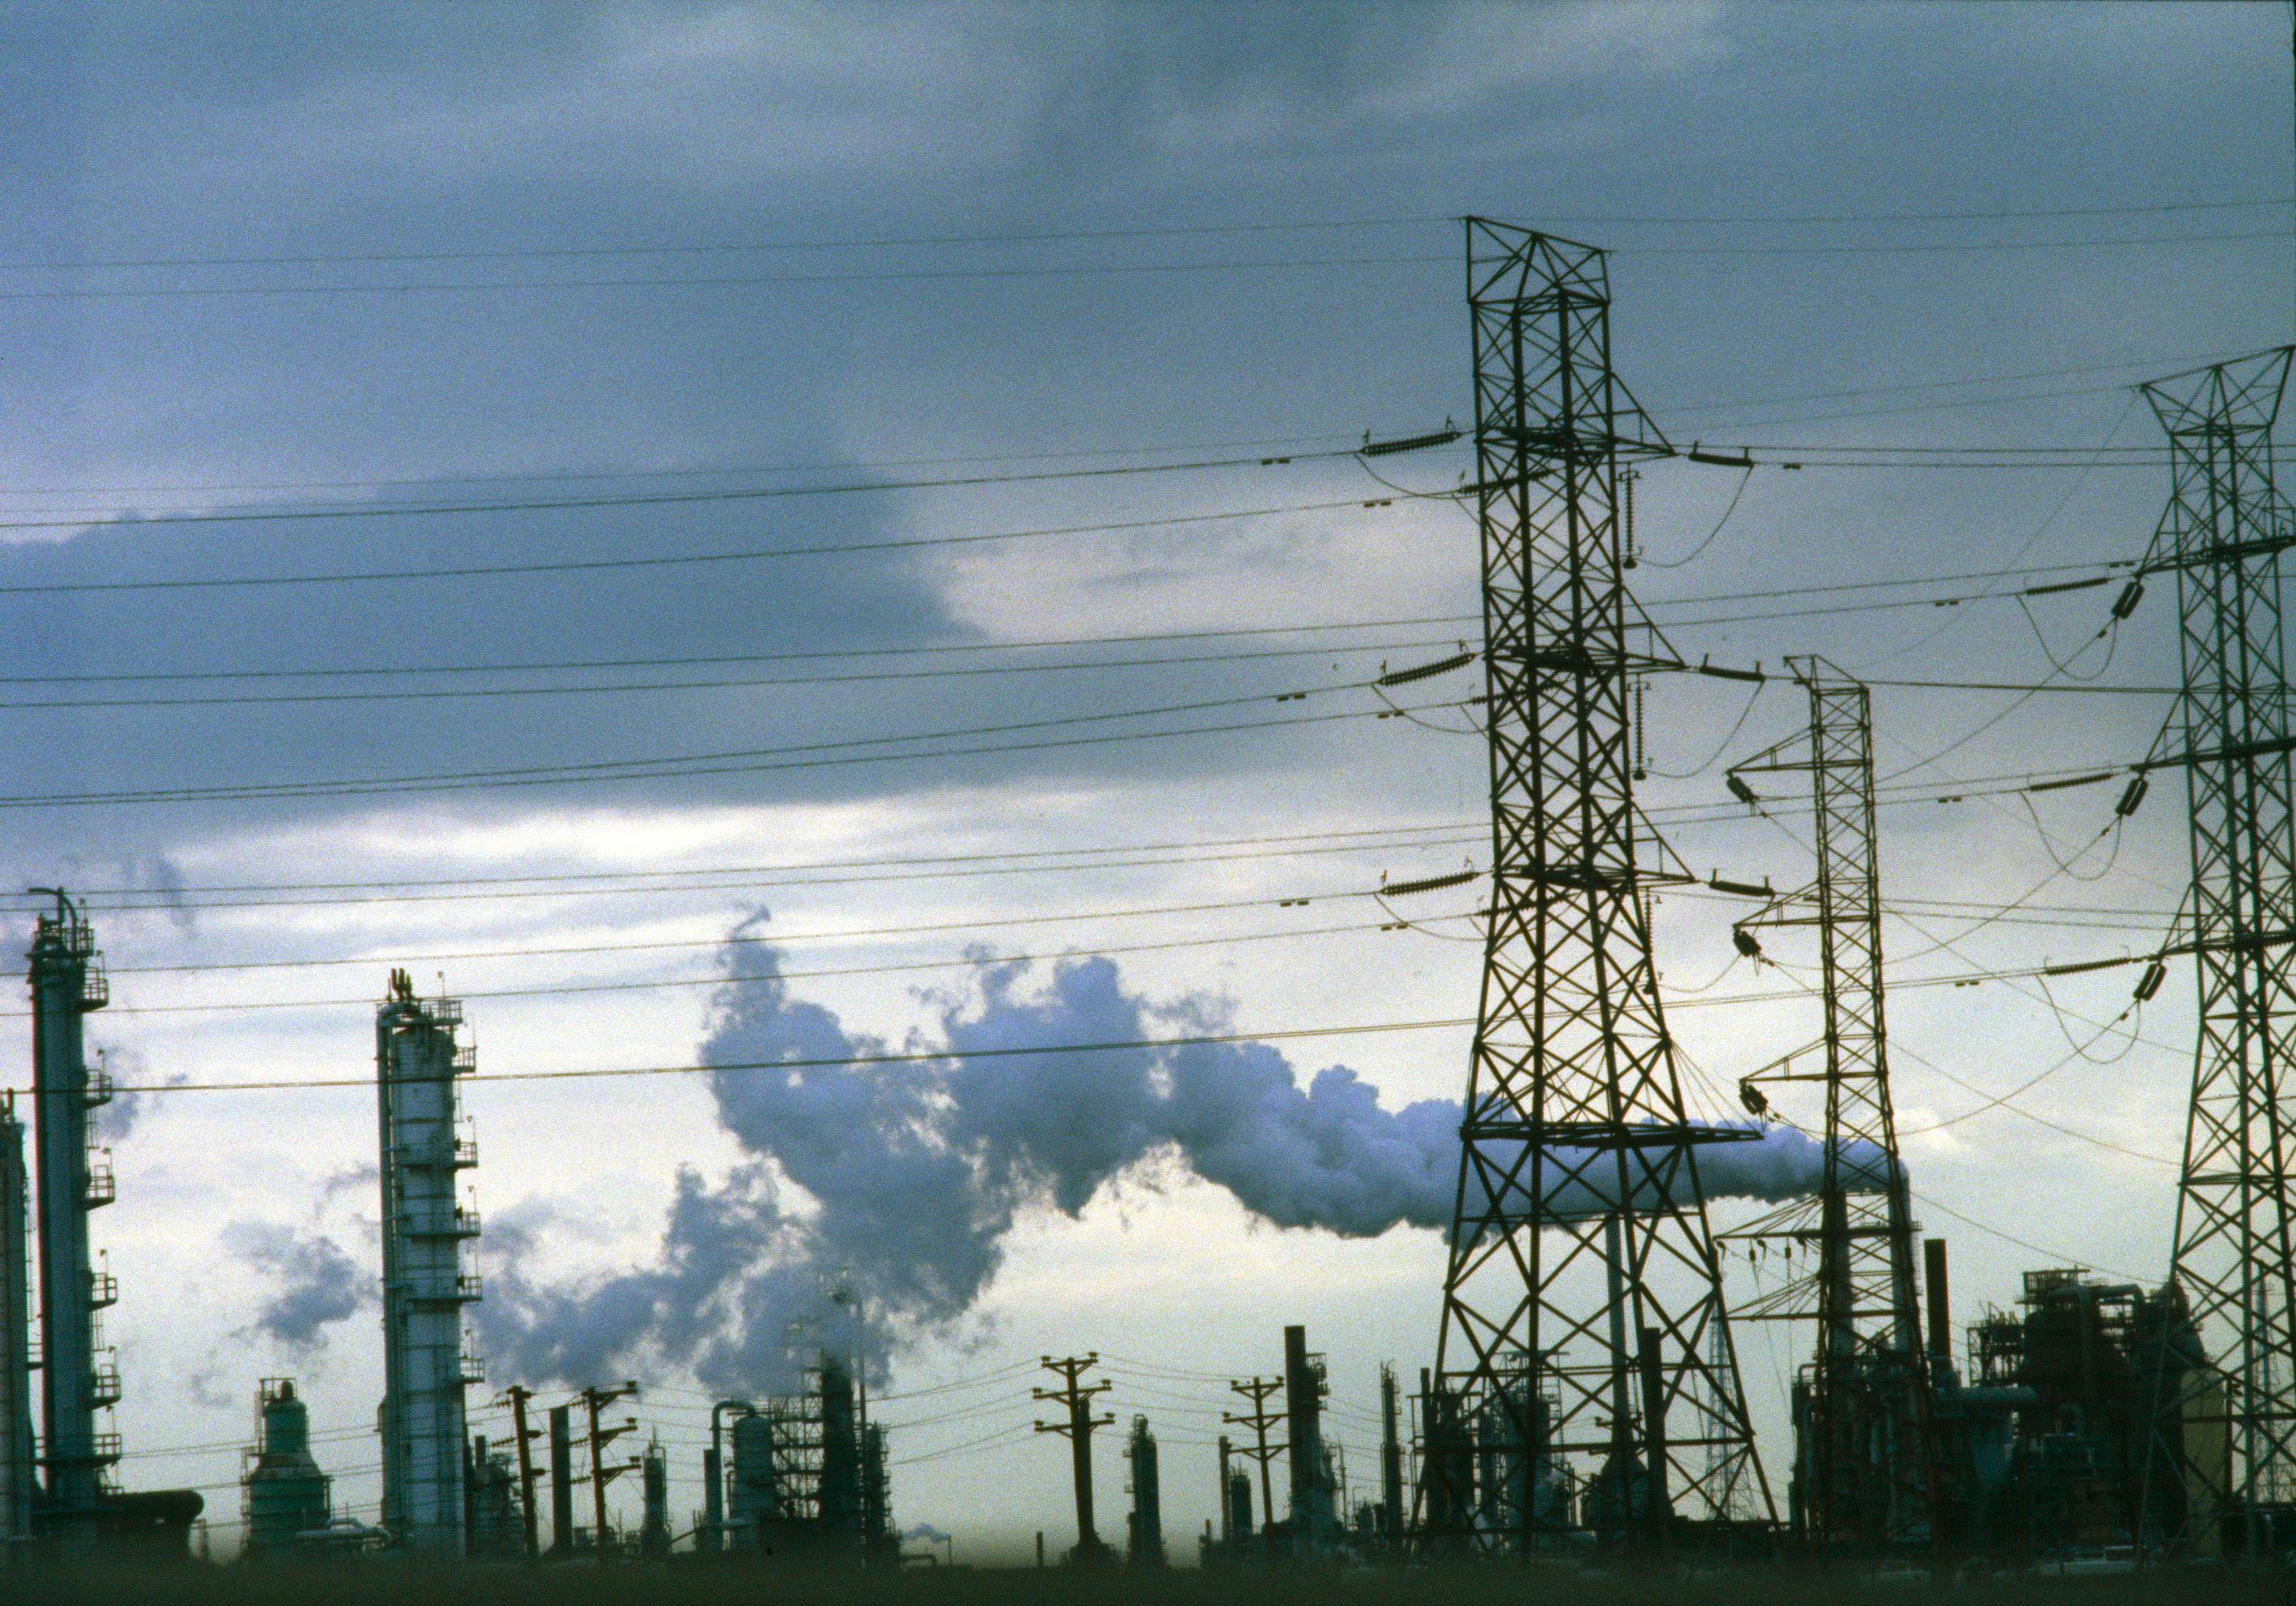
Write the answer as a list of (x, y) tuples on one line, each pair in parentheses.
[(382, 1581)]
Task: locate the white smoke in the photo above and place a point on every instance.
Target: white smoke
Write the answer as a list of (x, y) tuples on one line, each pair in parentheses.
[(889, 1190), (315, 1283)]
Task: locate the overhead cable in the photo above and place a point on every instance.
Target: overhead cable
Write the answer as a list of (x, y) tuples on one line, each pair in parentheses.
[(1091, 270), (316, 256)]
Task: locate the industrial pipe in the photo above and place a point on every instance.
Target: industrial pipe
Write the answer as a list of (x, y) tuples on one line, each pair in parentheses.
[(713, 1498)]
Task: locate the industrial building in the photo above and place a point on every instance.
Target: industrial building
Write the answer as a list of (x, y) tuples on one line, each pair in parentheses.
[(58, 1491), (1144, 1544), (427, 1226), (806, 1480), (288, 1501), (1311, 1528), (2084, 1364)]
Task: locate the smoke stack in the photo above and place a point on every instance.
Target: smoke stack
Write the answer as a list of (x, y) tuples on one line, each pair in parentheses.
[(1940, 1301), (1653, 1358), (1391, 1458), (562, 1479), (1303, 1401)]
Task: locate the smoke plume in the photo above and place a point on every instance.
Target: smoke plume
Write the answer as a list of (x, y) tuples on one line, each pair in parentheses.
[(880, 1198), (313, 1282), (110, 1123)]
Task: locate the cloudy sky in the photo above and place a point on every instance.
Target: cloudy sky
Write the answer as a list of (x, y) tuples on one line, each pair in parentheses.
[(619, 366)]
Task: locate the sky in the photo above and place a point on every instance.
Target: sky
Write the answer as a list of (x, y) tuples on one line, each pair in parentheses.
[(672, 331)]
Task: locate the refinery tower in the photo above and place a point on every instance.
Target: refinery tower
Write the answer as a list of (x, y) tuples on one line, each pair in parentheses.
[(427, 1365)]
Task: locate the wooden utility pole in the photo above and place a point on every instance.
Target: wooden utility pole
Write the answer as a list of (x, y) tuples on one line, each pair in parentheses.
[(1260, 1419), (596, 1400), (527, 1472), (1077, 1396)]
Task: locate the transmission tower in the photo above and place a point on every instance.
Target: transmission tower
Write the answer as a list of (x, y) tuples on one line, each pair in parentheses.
[(1583, 1289), (2226, 1420), (1866, 1459)]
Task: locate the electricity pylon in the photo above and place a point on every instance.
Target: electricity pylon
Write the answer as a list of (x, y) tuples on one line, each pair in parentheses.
[(2226, 1425), (1866, 1457), (1583, 1290)]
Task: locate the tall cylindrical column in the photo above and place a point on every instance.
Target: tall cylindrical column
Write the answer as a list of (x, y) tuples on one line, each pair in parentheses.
[(66, 986)]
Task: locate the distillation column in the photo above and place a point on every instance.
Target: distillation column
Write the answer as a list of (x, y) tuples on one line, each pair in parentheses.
[(426, 1363), (1576, 1340), (1867, 1460), (19, 1483), (67, 983), (2227, 1421)]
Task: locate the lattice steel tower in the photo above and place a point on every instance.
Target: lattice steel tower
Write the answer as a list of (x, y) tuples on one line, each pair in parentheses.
[(2231, 1424), (1866, 1461), (1583, 1290)]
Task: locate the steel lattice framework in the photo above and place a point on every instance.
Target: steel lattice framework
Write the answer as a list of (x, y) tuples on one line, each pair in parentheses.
[(2231, 1424), (1582, 1301), (1867, 1458)]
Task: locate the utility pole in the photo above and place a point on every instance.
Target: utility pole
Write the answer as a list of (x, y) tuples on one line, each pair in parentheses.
[(2223, 1450), (1867, 1453), (1572, 1089), (1077, 1396), (601, 1474), (519, 1395), (1259, 1419)]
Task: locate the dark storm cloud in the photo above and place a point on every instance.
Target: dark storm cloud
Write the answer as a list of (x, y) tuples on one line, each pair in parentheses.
[(248, 130), (818, 602)]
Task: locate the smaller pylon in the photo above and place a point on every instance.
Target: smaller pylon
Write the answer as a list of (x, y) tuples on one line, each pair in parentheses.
[(1866, 1454)]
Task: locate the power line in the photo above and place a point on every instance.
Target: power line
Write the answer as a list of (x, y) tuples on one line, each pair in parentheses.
[(826, 754), (1392, 837), (479, 891), (737, 761), (2019, 376), (659, 984), (703, 660), (671, 560), (2059, 1256), (445, 476), (466, 693), (1036, 236), (743, 555), (458, 694), (982, 960), (755, 760), (927, 1056), (878, 275), (1373, 836), (749, 554), (658, 498), (829, 1062)]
